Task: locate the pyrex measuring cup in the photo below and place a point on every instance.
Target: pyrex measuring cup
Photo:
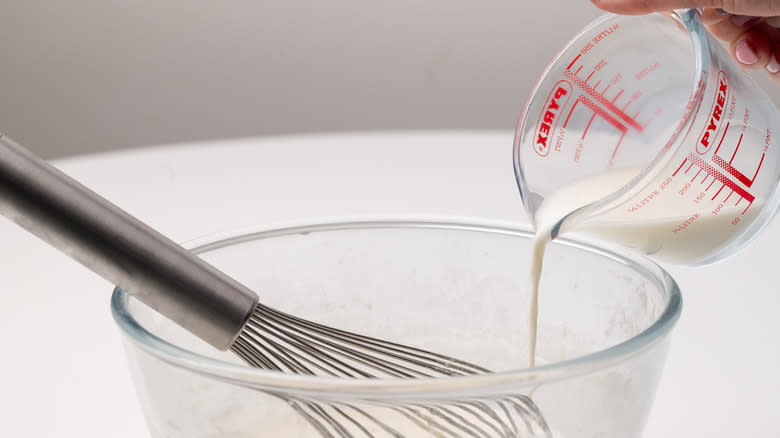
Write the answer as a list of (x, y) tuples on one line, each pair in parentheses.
[(657, 137)]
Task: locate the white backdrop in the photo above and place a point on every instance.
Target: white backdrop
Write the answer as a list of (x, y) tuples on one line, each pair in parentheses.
[(96, 75)]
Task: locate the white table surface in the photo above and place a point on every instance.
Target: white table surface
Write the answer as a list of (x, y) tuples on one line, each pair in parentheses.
[(63, 371)]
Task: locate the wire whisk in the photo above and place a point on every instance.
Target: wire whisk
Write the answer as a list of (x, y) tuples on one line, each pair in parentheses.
[(278, 341), (219, 310), (505, 417)]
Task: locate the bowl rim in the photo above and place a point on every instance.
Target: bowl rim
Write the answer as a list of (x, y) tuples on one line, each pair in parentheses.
[(271, 381)]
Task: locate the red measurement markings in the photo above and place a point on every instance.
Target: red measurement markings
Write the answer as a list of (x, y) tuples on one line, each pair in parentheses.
[(696, 176), (573, 61), (718, 192), (725, 130), (578, 70), (587, 127), (602, 100), (617, 146), (681, 165), (590, 75), (597, 111), (739, 142), (719, 176), (736, 173), (731, 170), (617, 96), (630, 101), (759, 167)]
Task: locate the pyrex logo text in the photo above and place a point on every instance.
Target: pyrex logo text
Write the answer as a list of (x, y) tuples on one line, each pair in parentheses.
[(716, 115), (548, 119)]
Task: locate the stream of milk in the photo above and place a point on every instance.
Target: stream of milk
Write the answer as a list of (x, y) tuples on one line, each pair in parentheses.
[(550, 212), (675, 238)]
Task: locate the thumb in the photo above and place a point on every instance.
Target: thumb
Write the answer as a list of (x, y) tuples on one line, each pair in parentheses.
[(759, 8)]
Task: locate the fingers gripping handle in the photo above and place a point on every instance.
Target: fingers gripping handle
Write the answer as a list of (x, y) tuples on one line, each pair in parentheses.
[(120, 248)]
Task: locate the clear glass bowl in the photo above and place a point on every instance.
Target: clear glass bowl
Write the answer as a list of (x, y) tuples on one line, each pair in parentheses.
[(457, 288)]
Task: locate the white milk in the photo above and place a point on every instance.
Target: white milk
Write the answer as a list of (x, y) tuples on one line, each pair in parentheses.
[(549, 213), (672, 237)]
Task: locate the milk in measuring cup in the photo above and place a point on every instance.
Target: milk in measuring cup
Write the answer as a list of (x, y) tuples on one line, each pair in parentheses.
[(648, 236), (644, 132)]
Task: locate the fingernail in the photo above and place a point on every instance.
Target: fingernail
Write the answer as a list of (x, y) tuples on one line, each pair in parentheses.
[(744, 20), (773, 66), (745, 53), (721, 11)]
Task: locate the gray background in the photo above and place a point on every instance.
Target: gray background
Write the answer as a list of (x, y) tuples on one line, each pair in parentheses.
[(97, 75)]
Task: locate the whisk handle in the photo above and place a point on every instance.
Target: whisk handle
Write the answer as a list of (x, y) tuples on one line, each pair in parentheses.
[(121, 248)]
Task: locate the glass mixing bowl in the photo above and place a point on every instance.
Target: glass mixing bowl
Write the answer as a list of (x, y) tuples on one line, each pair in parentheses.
[(454, 287)]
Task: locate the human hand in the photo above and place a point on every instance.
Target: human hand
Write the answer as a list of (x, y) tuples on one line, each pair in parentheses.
[(748, 26)]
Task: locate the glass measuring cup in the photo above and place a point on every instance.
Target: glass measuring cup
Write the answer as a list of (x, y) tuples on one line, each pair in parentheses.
[(657, 138)]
